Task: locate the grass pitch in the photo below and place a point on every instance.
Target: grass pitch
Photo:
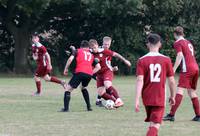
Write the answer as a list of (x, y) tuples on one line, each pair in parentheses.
[(24, 115)]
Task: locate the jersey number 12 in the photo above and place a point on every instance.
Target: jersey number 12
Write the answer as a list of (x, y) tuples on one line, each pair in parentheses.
[(155, 71)]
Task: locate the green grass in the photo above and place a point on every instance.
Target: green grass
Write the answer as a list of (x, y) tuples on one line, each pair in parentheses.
[(24, 115)]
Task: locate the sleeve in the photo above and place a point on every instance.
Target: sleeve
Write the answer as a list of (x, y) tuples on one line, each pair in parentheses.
[(108, 52), (177, 47), (139, 68), (95, 62), (44, 50), (170, 71), (74, 53)]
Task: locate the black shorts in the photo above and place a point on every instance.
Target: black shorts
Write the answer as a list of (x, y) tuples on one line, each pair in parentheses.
[(78, 78)]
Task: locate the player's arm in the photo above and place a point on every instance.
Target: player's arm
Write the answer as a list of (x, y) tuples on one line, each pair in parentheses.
[(68, 63), (96, 65), (172, 87), (139, 86), (47, 56), (117, 55), (179, 58)]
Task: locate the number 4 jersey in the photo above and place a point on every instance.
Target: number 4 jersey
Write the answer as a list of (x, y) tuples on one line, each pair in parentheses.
[(155, 67)]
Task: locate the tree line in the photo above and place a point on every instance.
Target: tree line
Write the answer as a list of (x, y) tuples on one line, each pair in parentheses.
[(62, 23)]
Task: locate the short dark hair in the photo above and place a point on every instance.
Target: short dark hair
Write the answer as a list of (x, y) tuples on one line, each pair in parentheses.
[(179, 30), (153, 38), (84, 44)]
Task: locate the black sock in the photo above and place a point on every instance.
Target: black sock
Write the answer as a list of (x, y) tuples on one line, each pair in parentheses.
[(98, 97), (86, 98), (67, 97)]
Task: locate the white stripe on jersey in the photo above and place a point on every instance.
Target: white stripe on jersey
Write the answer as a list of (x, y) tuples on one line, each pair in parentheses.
[(151, 54), (180, 38), (184, 68)]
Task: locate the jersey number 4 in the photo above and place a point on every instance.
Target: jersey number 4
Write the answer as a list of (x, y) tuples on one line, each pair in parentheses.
[(87, 56), (155, 71)]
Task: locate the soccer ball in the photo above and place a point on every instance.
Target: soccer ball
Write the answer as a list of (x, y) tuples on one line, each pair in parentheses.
[(109, 104)]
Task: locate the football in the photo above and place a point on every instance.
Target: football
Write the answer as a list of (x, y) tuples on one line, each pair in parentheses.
[(109, 104)]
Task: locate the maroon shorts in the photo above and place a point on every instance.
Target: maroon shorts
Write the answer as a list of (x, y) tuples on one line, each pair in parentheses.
[(42, 71), (105, 76), (154, 113), (189, 80)]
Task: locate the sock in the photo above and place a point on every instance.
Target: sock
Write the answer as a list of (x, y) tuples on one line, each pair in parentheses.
[(98, 97), (55, 80), (152, 131), (196, 108), (67, 97), (178, 100), (38, 85), (113, 91), (86, 98), (106, 96)]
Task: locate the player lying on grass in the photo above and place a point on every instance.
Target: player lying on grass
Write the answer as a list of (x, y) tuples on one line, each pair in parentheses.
[(105, 75), (152, 70), (44, 67), (189, 74), (83, 73)]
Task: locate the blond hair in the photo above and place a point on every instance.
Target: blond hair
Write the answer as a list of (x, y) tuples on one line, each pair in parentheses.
[(92, 42), (107, 38)]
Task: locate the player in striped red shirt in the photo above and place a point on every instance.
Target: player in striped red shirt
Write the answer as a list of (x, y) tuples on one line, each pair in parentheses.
[(189, 73), (44, 67), (152, 71)]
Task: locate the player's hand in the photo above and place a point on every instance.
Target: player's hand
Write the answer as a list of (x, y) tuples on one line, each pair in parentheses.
[(49, 67), (128, 63), (65, 72), (72, 47), (115, 68), (172, 101), (137, 106)]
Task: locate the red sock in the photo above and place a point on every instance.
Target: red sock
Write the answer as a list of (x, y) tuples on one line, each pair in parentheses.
[(38, 85), (113, 92), (152, 131), (55, 79), (178, 100), (106, 96), (195, 103)]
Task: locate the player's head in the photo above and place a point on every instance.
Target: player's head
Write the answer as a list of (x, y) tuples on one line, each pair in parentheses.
[(107, 42), (35, 38), (84, 44), (94, 45), (178, 31), (153, 41)]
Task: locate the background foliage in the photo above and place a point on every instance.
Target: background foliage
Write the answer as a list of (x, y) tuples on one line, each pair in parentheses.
[(65, 22)]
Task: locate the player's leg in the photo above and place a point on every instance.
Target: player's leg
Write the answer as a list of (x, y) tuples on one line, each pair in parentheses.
[(111, 90), (38, 85), (102, 92), (153, 129), (195, 102), (154, 116), (85, 81), (178, 99), (53, 79), (73, 83)]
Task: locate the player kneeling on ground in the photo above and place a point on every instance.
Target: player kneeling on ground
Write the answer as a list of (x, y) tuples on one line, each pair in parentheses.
[(83, 74)]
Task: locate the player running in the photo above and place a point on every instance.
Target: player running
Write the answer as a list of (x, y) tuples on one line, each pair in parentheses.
[(188, 75), (152, 70), (83, 74), (105, 75), (44, 67)]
